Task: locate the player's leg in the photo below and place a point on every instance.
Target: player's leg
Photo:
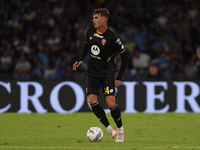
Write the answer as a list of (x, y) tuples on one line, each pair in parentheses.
[(116, 114), (115, 111), (98, 110), (93, 85), (109, 93)]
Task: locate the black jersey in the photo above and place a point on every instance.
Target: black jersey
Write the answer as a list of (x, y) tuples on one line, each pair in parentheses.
[(102, 51)]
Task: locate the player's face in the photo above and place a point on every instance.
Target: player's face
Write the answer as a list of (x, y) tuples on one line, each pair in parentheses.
[(98, 20)]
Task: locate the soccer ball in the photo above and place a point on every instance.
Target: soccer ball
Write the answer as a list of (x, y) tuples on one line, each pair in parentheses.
[(95, 134)]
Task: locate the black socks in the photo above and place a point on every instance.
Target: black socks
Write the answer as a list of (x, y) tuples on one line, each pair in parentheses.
[(100, 113), (116, 114)]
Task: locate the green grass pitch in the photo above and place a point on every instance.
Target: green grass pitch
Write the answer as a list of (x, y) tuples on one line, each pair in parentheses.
[(68, 131)]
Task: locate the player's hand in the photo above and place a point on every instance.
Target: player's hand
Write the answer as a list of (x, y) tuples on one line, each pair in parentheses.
[(118, 83), (77, 64)]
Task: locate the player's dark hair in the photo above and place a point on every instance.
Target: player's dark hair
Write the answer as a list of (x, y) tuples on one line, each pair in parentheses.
[(103, 11)]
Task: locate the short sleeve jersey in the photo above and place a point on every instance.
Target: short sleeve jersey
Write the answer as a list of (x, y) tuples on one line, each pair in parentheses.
[(102, 51)]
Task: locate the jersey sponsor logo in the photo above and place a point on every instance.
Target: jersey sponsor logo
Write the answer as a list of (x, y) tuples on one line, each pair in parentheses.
[(103, 41), (106, 90), (97, 35), (95, 57), (95, 50)]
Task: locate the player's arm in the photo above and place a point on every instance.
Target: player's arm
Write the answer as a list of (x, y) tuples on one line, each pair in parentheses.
[(85, 51), (124, 60)]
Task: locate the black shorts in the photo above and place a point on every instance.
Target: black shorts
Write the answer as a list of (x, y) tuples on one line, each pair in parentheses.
[(94, 84)]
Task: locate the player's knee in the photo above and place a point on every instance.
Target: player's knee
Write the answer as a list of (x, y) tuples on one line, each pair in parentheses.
[(92, 99), (110, 100), (111, 105)]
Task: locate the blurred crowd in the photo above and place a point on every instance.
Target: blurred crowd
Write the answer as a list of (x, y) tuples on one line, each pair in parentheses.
[(41, 39)]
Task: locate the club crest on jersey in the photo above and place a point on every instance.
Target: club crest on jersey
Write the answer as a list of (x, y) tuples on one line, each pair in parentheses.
[(103, 41)]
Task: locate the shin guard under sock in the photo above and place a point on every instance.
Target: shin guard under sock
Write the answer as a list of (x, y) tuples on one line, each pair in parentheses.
[(116, 114), (100, 113)]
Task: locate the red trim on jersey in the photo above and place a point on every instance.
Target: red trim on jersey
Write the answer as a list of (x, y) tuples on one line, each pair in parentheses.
[(103, 32)]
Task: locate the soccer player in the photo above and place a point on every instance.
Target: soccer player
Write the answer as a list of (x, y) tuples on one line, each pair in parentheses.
[(103, 45)]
